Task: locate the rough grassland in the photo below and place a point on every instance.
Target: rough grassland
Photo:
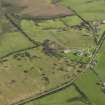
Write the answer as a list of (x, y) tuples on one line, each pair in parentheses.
[(14, 41), (93, 10), (64, 97), (22, 77), (27, 73)]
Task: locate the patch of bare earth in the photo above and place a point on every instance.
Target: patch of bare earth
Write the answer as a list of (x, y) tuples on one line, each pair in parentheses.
[(42, 8)]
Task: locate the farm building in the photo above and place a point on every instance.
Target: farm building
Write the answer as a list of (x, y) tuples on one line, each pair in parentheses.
[(51, 47)]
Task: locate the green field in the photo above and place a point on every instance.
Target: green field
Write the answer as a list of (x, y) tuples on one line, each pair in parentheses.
[(70, 38), (26, 70), (25, 78), (87, 82), (101, 63), (64, 97), (93, 10), (11, 42)]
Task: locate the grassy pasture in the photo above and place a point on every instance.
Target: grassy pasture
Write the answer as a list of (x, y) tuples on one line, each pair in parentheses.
[(90, 10), (64, 97), (100, 67), (93, 10), (13, 41), (22, 77), (70, 38), (87, 83)]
